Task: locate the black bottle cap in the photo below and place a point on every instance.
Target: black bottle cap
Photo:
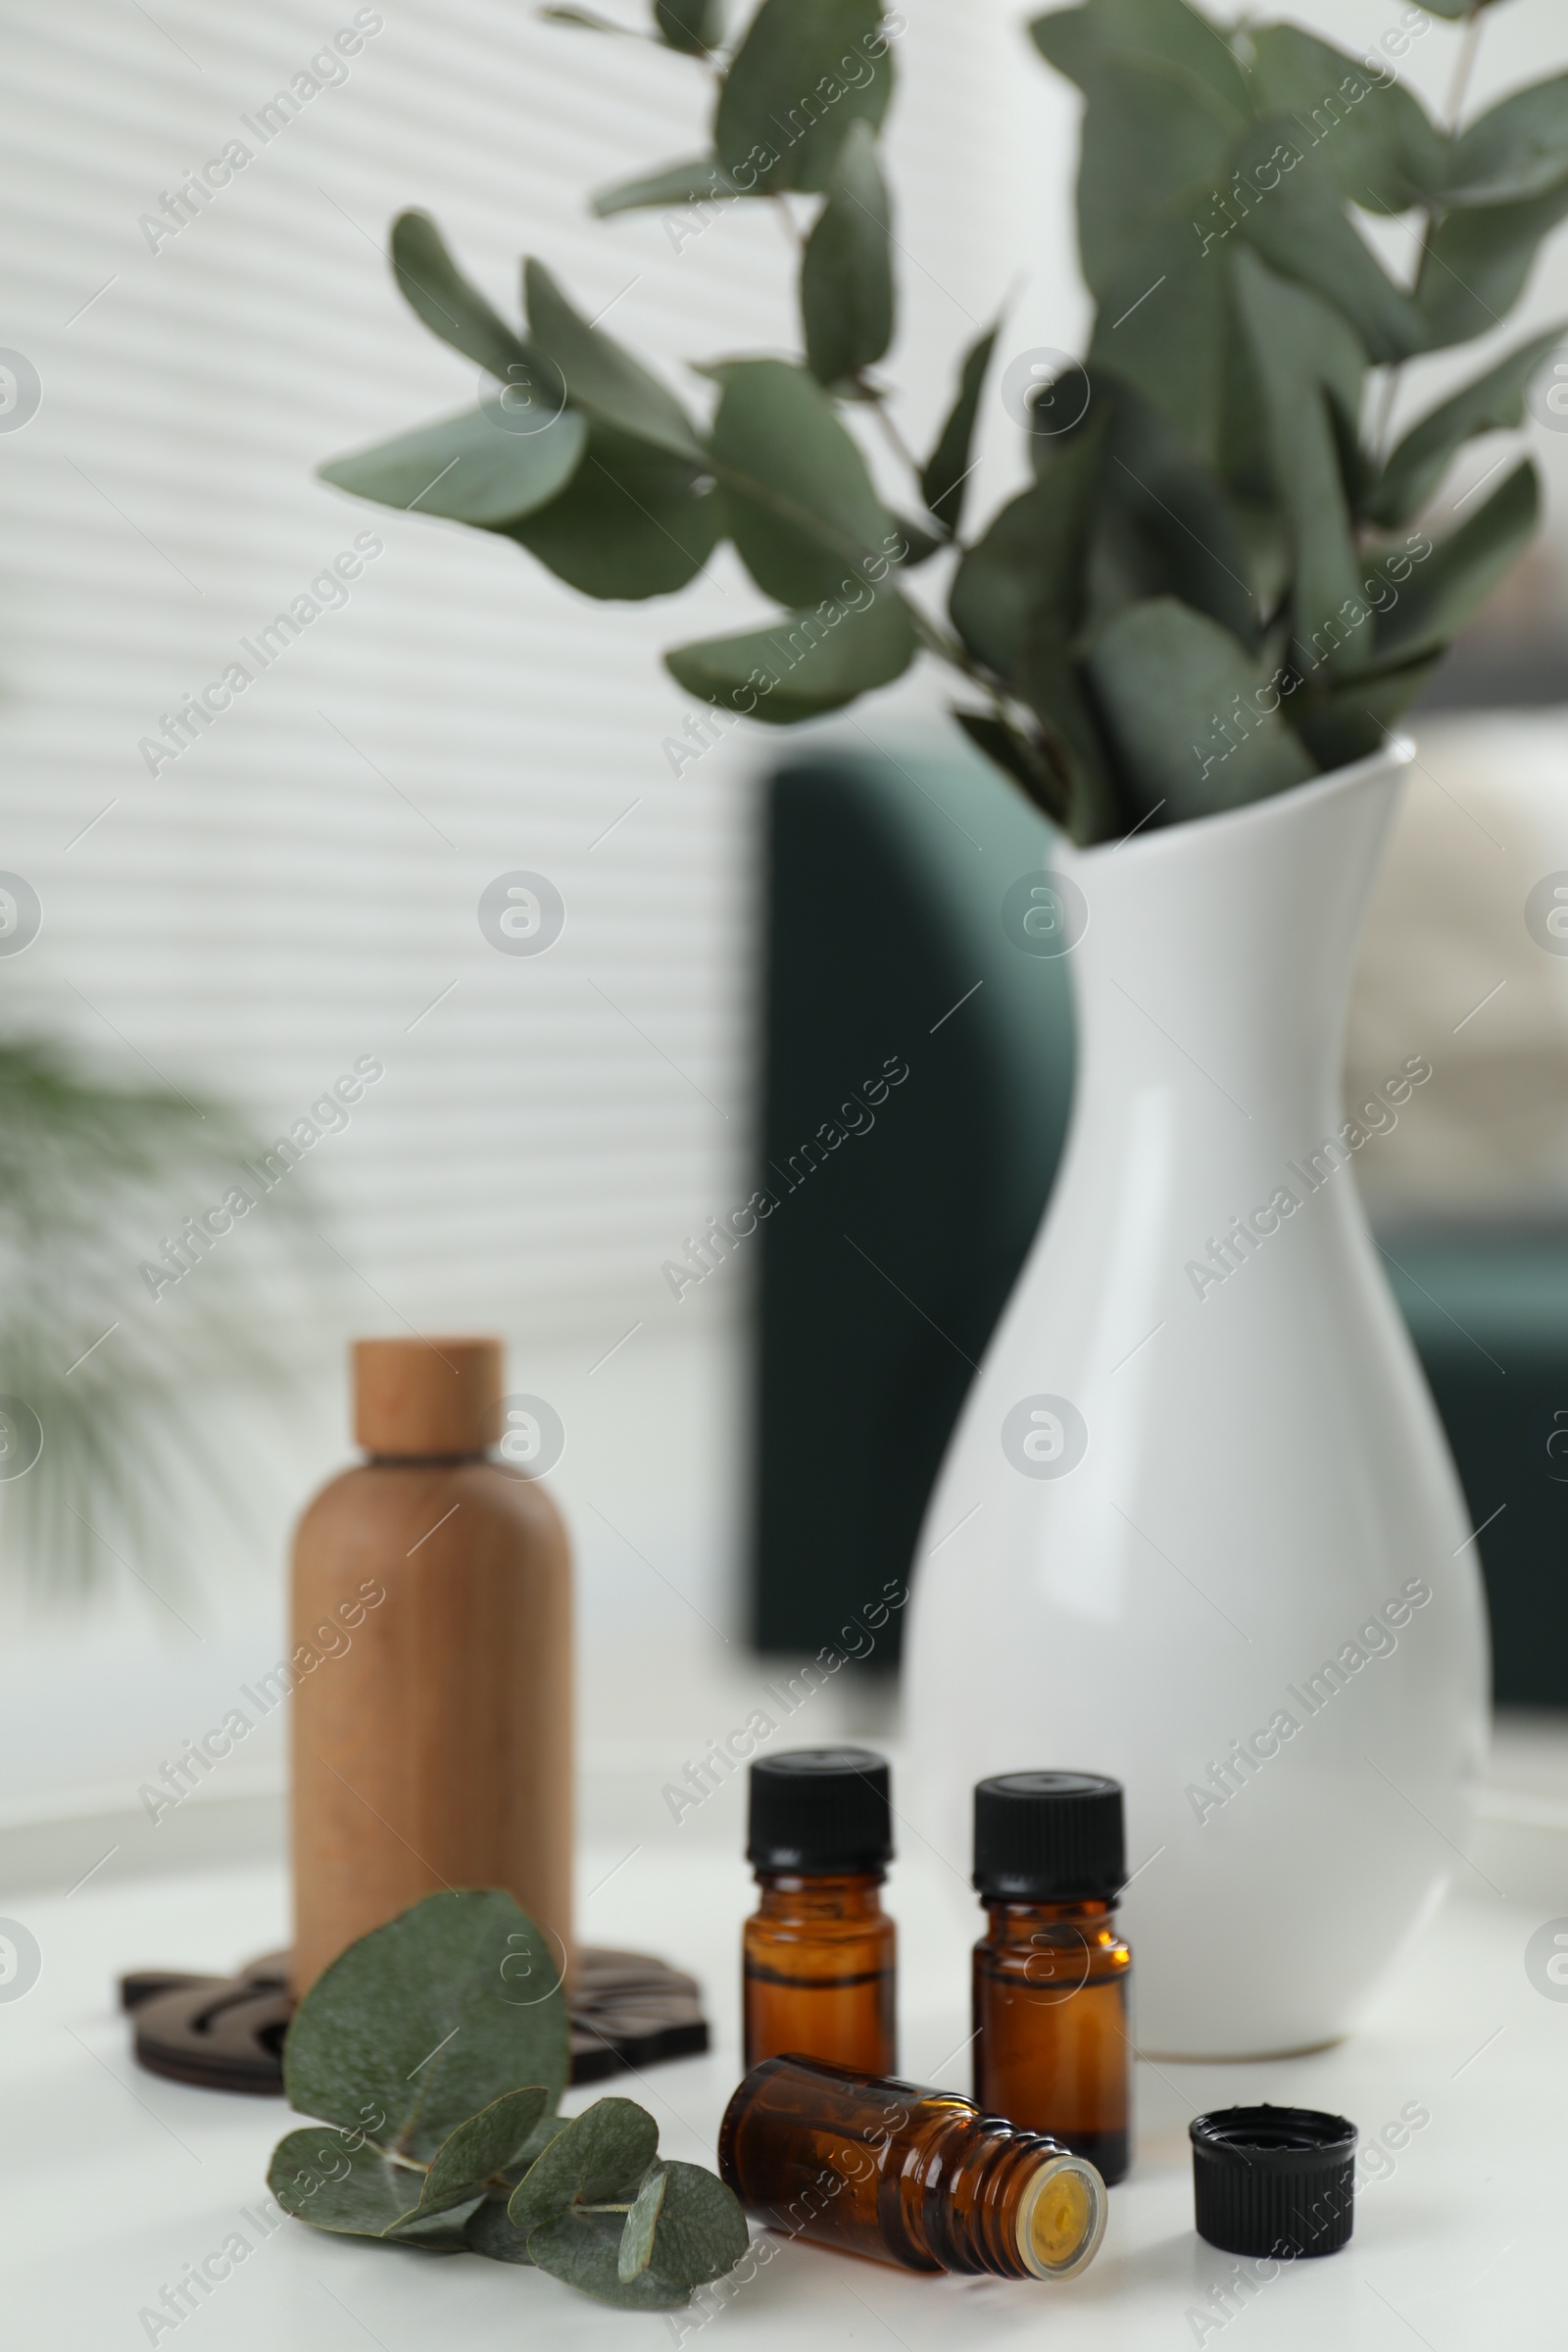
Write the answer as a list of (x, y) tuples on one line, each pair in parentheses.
[(820, 1809), (1049, 1837), (1274, 2181)]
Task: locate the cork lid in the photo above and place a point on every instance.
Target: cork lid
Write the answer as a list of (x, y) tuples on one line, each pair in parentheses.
[(427, 1397)]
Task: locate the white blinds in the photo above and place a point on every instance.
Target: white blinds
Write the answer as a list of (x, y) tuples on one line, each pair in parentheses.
[(299, 888)]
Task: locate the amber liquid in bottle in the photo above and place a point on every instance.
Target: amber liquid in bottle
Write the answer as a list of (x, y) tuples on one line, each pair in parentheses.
[(915, 2177), (819, 1970), (1053, 2029)]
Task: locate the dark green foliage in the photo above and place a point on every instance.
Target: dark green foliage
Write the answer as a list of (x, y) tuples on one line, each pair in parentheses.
[(439, 2088), (1216, 585)]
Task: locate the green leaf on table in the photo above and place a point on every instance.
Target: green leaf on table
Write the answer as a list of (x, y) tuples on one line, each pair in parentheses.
[(1297, 223), (1311, 370), (1375, 138), (700, 181), (416, 2028), (637, 2238), (1479, 261), (601, 2155), (473, 467), (1176, 36), (847, 268), (806, 664), (693, 25), (786, 105), (1493, 403), (946, 476), (1455, 580), (699, 2234), (1516, 151), (490, 2232), (436, 291), (339, 2180), (1186, 706), (633, 522), (490, 2144), (798, 496), (601, 376)]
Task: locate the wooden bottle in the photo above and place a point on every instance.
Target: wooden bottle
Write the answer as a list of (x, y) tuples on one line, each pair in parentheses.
[(431, 1657)]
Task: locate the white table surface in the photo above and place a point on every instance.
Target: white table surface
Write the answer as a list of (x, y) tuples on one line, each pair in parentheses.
[(113, 2181)]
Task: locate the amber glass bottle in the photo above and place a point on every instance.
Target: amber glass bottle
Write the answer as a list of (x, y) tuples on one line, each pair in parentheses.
[(1052, 2046), (819, 1950), (915, 2177)]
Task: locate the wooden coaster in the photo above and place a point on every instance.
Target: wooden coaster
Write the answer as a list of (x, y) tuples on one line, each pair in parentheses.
[(627, 2011)]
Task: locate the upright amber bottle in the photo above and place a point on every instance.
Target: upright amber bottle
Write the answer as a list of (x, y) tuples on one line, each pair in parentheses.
[(819, 1950), (431, 1663), (919, 2178), (1053, 2030)]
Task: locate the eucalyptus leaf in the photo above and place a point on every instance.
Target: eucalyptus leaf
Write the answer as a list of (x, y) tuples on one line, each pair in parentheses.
[(418, 2022), (804, 72), (1298, 223), (633, 522), (1187, 709), (1161, 524), (847, 270), (806, 664), (1376, 139), (474, 467), (341, 2182), (601, 2155), (1025, 762), (944, 478), (1478, 264), (699, 2234), (1182, 136), (700, 181), (1031, 561), (1179, 38), (798, 497), (1354, 720), (586, 19), (1455, 580), (1516, 151), (1493, 403), (490, 2144), (602, 378), (919, 545), (637, 2238), (583, 2250), (490, 2232), (1165, 323), (436, 291), (694, 25), (1307, 357)]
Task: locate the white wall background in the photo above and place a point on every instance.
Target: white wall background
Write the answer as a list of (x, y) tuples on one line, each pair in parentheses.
[(300, 888)]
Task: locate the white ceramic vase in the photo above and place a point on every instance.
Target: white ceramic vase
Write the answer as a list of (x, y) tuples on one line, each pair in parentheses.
[(1197, 1525)]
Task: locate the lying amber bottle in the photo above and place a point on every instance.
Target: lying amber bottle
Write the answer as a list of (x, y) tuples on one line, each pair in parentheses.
[(915, 2177), (819, 1952), (1053, 2031)]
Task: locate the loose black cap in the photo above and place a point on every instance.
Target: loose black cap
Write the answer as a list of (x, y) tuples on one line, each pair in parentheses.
[(1049, 1837), (1276, 2181), (820, 1808)]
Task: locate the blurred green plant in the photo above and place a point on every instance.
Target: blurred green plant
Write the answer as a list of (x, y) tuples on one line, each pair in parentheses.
[(1216, 584), (85, 1170)]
